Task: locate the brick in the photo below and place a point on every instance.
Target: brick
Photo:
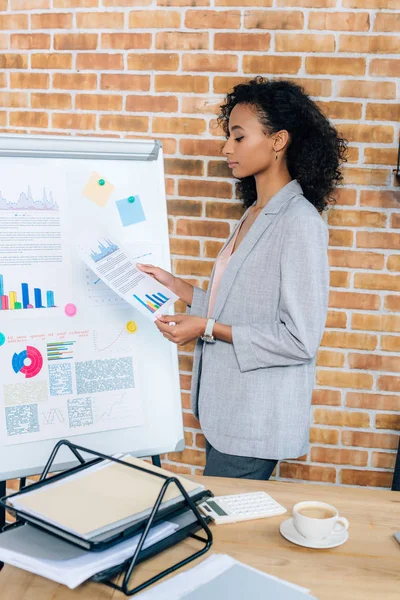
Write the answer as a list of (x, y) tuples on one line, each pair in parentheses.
[(374, 44), (51, 61), (186, 364), (384, 67), (385, 90), (327, 358), (374, 362), (367, 478), (199, 268), (392, 303), (356, 218), (50, 21), (75, 3), (99, 20), (184, 247), (383, 112), (343, 379), (223, 85), (304, 42), (73, 121), (123, 81), (186, 208), (13, 21), (339, 21), (176, 125), (341, 110), (74, 81), (380, 199), (390, 343), (336, 319), (376, 281), (215, 189), (189, 420), (218, 168), (211, 248), (388, 383), (126, 41), (51, 101), (157, 103), (4, 42), (384, 460), (199, 228), (28, 119), (176, 468), (386, 421), (341, 418), (370, 239), (340, 237), (75, 41), (185, 383), (242, 3), (387, 22), (193, 457), (209, 62), (373, 401), (199, 104), (324, 436), (124, 123), (154, 19), (357, 458), (316, 65), (395, 221), (13, 99), (339, 279), (115, 3), (193, 147), (380, 156), (354, 300), (98, 102), (271, 64), (307, 472), (200, 440), (224, 210), (366, 176), (180, 166), (344, 339), (389, 323), (366, 133), (326, 397), (369, 440), (182, 40), (356, 259), (3, 122), (153, 62), (273, 19), (370, 3), (195, 84), (29, 4), (99, 61), (212, 19), (314, 87), (13, 61)]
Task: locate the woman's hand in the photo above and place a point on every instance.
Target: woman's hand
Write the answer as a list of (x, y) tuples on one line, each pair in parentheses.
[(163, 277), (184, 329)]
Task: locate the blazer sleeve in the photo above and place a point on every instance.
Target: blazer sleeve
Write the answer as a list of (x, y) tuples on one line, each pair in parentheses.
[(295, 336), (198, 303)]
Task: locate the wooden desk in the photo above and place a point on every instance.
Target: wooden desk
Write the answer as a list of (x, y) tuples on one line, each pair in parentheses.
[(367, 566)]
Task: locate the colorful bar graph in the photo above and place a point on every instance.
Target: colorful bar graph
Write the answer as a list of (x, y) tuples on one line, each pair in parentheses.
[(60, 350), (12, 302), (152, 302)]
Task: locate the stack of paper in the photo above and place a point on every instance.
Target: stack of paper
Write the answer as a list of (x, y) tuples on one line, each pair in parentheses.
[(43, 554), (221, 576)]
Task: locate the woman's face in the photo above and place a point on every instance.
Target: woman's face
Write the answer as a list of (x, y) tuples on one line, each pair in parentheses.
[(249, 149)]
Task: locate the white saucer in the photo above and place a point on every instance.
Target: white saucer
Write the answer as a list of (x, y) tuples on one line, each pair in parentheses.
[(289, 532)]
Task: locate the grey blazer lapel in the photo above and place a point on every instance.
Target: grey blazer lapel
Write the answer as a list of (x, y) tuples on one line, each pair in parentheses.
[(260, 225)]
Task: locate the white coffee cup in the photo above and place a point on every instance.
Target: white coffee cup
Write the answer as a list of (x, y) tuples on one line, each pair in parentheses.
[(318, 520)]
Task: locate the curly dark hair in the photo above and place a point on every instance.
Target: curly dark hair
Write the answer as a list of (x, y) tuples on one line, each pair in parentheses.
[(315, 150)]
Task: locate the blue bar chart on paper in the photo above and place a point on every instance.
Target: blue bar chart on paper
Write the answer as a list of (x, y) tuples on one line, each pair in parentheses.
[(152, 301), (10, 301)]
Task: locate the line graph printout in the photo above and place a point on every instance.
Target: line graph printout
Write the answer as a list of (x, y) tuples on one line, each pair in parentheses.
[(83, 381)]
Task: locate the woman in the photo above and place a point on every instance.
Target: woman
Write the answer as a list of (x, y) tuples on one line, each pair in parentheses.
[(259, 326)]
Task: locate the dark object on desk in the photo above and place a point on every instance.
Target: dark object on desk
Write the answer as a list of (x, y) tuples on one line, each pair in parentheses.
[(396, 474)]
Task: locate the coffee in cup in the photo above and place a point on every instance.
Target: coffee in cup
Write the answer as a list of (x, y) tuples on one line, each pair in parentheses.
[(317, 520)]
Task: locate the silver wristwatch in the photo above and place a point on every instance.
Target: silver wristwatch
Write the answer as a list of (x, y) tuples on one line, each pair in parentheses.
[(207, 335)]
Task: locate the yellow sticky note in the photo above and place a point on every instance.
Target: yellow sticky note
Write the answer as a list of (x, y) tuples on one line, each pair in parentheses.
[(98, 189)]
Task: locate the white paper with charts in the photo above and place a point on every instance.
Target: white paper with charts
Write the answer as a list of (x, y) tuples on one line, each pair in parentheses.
[(76, 359)]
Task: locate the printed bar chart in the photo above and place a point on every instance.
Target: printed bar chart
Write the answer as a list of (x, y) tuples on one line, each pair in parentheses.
[(152, 301), (60, 350), (10, 301)]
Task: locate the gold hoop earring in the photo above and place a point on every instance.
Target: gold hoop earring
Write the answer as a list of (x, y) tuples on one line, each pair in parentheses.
[(276, 156)]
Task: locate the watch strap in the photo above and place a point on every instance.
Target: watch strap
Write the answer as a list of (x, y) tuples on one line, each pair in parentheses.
[(209, 327)]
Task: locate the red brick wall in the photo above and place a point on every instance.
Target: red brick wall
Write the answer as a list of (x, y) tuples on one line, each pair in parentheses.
[(141, 68)]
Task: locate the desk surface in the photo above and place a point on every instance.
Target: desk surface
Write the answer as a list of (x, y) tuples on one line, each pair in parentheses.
[(367, 566)]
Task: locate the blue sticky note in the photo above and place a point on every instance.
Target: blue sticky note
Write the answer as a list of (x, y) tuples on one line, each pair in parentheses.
[(130, 212)]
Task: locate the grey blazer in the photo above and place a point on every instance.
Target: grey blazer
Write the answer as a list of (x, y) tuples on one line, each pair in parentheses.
[(253, 396)]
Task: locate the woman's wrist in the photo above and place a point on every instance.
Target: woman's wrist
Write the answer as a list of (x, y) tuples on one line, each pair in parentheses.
[(183, 289)]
